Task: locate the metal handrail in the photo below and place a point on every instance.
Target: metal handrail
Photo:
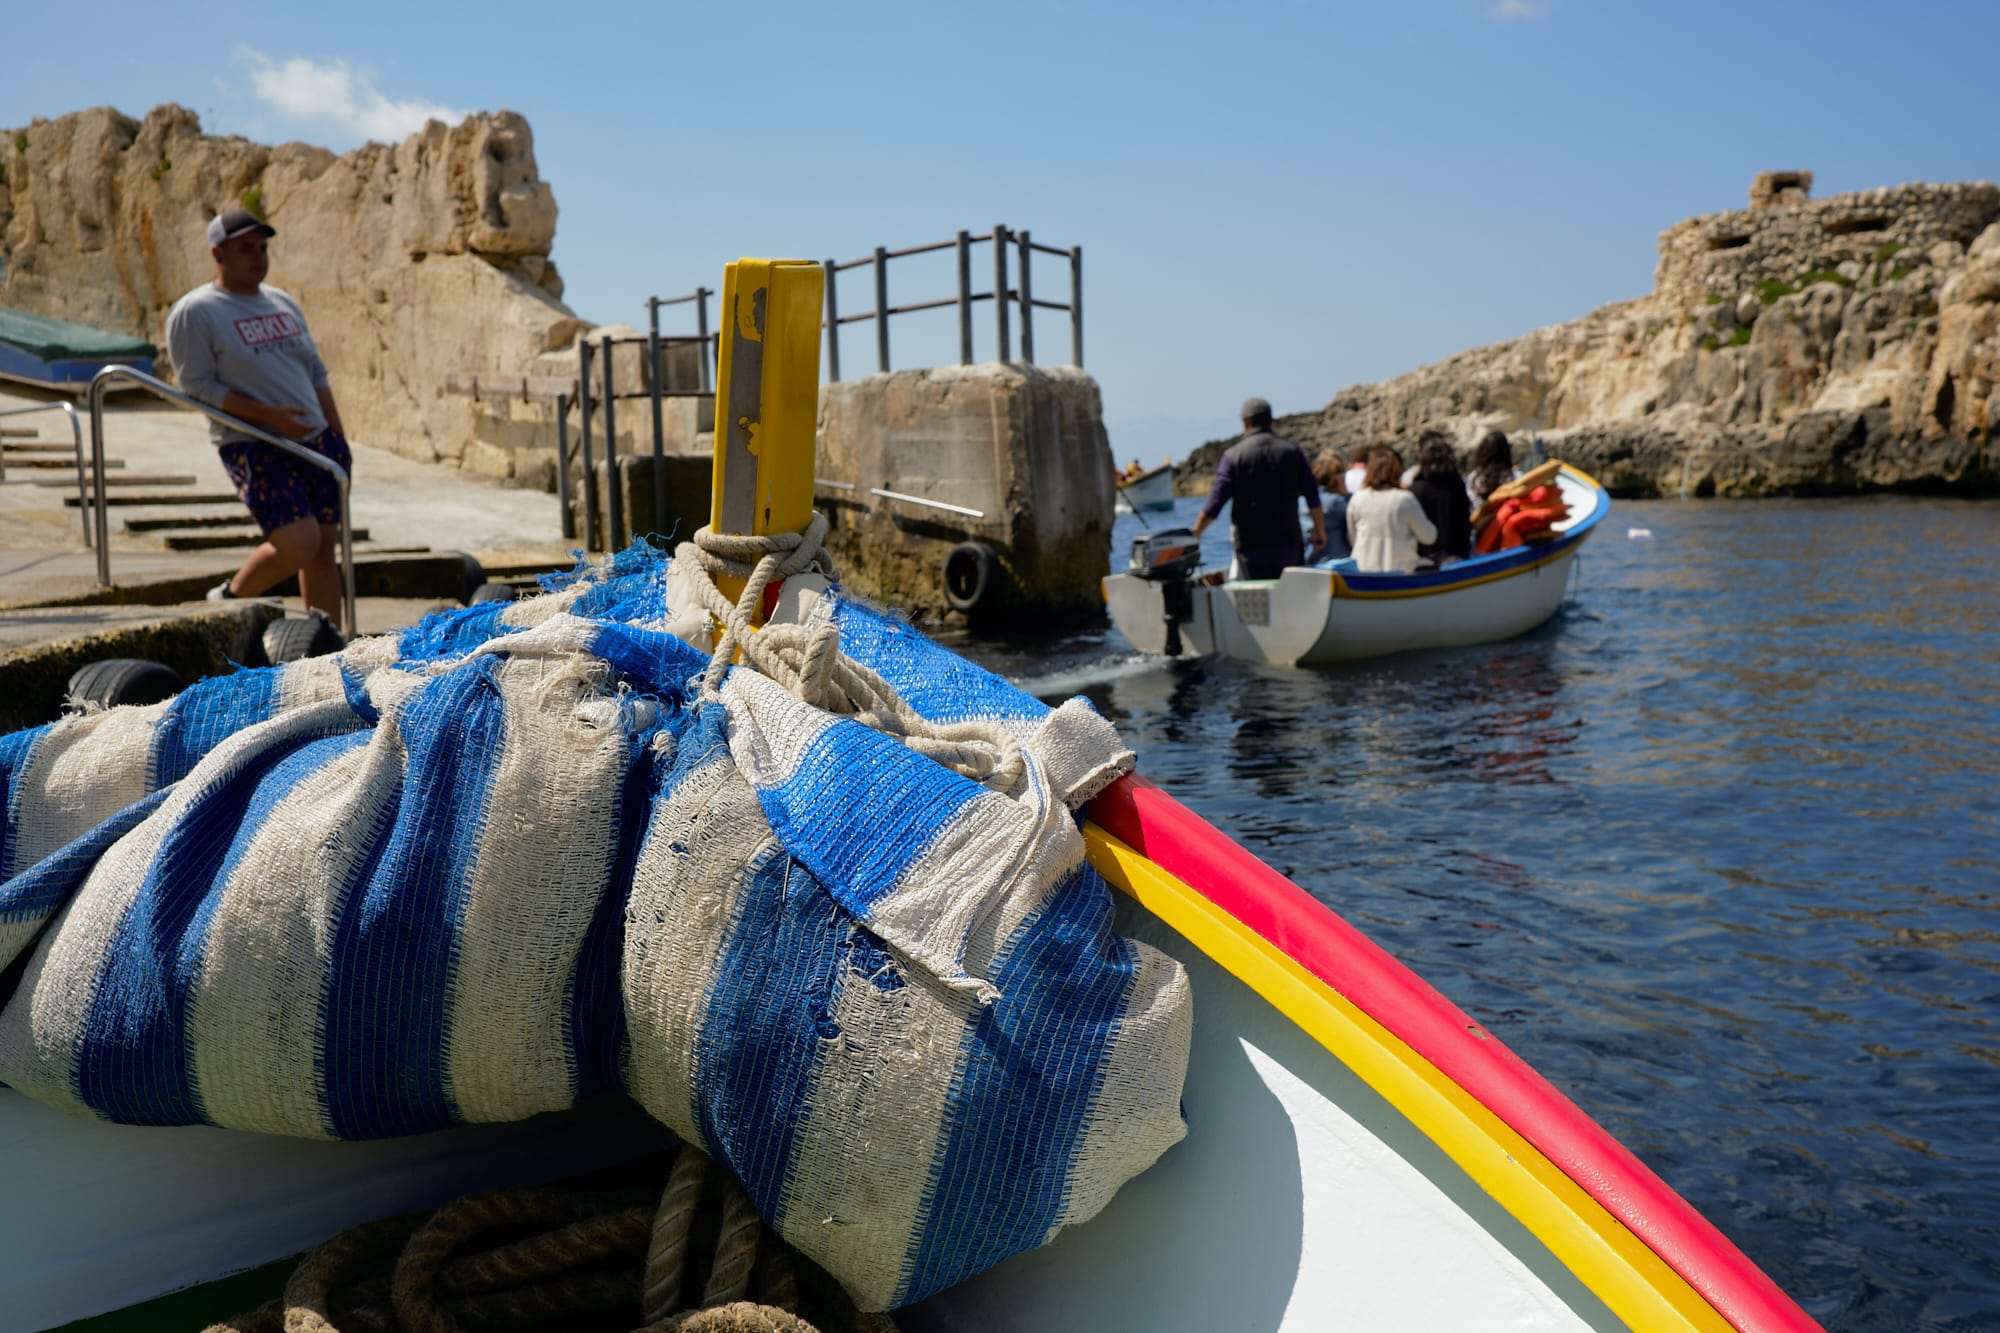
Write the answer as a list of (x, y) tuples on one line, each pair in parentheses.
[(82, 497), (100, 383)]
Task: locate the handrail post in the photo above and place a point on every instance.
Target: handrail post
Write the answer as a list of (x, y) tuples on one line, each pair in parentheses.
[(1027, 303), (832, 325), (882, 309), (100, 383), (659, 421), (83, 500), (589, 457), (102, 504), (614, 500), (964, 298), (1076, 306), (562, 467), (701, 295), (1001, 342)]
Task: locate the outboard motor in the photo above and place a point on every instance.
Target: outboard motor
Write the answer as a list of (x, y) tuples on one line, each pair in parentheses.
[(1169, 558)]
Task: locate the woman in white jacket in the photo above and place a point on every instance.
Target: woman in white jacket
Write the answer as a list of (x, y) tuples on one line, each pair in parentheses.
[(1385, 523)]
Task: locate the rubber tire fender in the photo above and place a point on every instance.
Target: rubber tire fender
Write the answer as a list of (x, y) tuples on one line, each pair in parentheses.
[(293, 640), (123, 680), (494, 592), (971, 576)]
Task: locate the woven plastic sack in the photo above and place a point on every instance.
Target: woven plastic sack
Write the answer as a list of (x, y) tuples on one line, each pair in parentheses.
[(512, 860)]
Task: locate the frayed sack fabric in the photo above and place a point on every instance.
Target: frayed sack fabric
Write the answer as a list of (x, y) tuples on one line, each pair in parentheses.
[(522, 855)]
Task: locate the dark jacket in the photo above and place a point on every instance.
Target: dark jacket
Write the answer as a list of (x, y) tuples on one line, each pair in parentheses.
[(1449, 509), (1264, 476)]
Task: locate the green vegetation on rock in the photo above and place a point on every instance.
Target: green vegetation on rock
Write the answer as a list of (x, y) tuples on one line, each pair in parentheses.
[(1740, 337), (253, 199)]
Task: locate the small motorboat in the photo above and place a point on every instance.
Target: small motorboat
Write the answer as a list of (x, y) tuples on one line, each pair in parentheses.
[(1332, 613), (1151, 490)]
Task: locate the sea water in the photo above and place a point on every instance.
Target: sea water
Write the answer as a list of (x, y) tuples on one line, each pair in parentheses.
[(1717, 851)]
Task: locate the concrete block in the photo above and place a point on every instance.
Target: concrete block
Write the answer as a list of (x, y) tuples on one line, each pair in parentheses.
[(41, 647), (1023, 445), (690, 479)]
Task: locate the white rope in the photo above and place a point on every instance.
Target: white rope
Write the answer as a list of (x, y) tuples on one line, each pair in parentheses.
[(808, 661)]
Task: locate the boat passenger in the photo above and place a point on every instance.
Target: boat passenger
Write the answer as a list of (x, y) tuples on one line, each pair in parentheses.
[(1332, 479), (1441, 491), (1492, 465), (1385, 523), (1264, 476), (242, 346), (1357, 472)]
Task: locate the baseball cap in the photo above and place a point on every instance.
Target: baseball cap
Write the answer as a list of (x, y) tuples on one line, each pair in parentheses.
[(1255, 408), (236, 222)]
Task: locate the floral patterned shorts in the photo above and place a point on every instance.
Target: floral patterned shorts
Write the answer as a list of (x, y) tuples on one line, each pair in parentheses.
[(280, 489)]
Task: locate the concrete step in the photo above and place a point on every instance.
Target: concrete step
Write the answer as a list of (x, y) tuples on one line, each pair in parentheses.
[(163, 498), (128, 479), (222, 538), (229, 518), (62, 459), (18, 432), (38, 447)]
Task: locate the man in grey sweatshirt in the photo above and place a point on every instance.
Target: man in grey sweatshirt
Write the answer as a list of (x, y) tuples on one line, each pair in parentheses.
[(242, 346)]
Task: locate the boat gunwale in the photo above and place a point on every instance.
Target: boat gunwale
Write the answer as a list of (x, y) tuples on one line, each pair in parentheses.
[(1151, 823)]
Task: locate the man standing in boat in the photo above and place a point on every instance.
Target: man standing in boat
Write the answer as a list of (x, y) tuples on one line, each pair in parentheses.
[(1265, 476), (241, 346)]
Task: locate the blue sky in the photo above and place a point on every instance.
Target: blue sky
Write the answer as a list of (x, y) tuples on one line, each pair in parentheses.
[(1276, 199)]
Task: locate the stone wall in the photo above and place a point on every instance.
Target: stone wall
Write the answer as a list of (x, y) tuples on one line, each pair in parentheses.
[(1025, 445), (1800, 346), (1789, 236), (411, 261)]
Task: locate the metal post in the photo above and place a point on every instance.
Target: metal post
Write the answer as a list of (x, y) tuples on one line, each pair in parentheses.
[(1001, 345), (701, 295), (882, 309), (1076, 306), (562, 467), (659, 421), (832, 327), (590, 542), (964, 298), (1027, 304), (615, 499)]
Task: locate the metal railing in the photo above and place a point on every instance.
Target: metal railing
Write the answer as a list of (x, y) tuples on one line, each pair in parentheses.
[(100, 383), (1022, 296), (82, 495)]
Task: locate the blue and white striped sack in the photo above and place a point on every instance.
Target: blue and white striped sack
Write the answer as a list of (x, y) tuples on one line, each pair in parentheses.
[(514, 860)]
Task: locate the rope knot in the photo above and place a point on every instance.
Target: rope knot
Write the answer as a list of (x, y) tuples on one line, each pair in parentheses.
[(807, 660)]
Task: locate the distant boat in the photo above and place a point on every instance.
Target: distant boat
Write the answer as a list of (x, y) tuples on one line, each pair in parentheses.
[(1310, 614), (1149, 490)]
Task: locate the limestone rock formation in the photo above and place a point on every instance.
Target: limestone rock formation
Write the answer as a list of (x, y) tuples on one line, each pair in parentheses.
[(1799, 346), (411, 262)]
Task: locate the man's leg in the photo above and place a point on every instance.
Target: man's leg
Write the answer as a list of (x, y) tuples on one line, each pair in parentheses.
[(319, 577), (286, 551)]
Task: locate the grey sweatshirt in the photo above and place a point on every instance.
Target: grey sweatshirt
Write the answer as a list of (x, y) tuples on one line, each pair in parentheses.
[(255, 345)]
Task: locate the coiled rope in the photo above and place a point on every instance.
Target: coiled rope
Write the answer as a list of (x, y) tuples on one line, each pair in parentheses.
[(808, 662), (575, 1257)]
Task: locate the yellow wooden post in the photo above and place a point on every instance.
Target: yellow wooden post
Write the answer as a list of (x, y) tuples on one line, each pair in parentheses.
[(767, 396)]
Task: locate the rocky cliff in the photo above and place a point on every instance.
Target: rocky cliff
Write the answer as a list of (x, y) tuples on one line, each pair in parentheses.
[(411, 261), (1799, 346)]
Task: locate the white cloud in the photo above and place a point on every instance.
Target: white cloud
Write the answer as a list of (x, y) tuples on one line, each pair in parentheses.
[(333, 95), (1509, 10)]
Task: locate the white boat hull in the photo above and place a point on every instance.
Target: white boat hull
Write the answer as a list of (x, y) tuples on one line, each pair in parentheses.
[(98, 1217), (1308, 616), (1151, 491), (1299, 1200)]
